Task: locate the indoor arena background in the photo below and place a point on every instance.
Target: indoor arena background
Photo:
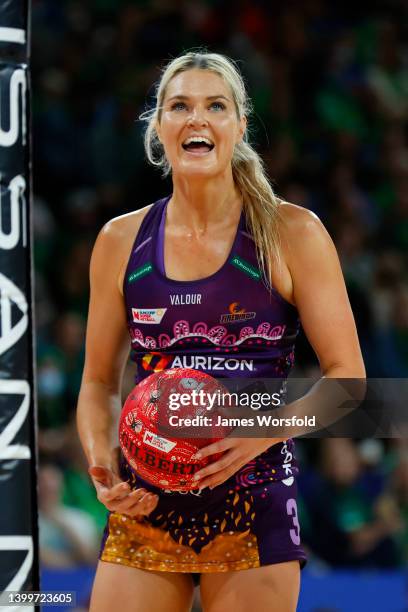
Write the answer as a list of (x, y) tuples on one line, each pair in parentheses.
[(330, 92)]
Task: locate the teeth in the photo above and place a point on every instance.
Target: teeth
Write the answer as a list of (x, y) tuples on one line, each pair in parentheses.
[(198, 139)]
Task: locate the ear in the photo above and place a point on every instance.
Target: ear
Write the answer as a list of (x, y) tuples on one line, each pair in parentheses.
[(241, 129)]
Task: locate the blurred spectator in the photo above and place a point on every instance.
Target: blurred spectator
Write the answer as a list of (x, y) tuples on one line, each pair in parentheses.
[(388, 78), (60, 363), (67, 535), (396, 503), (349, 528)]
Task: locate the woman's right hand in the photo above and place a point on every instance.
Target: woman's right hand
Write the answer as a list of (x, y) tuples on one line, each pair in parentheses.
[(117, 495)]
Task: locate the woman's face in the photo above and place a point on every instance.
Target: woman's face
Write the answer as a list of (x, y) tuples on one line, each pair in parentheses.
[(199, 127)]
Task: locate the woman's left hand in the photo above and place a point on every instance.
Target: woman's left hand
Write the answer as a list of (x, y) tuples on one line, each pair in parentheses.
[(236, 453)]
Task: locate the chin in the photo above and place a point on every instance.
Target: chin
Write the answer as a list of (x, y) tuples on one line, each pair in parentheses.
[(199, 170), (197, 173)]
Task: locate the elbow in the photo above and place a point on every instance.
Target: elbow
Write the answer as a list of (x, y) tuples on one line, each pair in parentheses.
[(352, 376), (109, 385), (352, 368), (360, 370)]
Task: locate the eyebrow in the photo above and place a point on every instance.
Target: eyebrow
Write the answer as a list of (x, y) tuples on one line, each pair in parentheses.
[(181, 97)]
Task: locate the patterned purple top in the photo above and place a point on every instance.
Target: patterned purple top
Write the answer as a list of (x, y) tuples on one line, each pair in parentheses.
[(227, 324)]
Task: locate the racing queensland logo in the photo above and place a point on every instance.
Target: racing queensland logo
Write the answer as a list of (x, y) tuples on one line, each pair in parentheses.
[(149, 316), (236, 314)]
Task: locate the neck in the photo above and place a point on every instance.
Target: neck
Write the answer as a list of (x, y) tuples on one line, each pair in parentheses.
[(199, 203)]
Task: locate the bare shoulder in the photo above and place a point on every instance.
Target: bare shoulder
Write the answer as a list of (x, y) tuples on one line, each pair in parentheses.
[(302, 231), (114, 242), (124, 227), (297, 218)]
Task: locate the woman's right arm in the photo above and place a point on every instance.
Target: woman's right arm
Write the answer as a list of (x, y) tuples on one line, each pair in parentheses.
[(107, 351)]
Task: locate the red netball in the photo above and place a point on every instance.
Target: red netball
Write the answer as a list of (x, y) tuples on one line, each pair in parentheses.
[(165, 420)]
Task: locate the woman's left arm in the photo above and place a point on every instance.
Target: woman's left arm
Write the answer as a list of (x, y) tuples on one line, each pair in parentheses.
[(321, 298), (320, 294)]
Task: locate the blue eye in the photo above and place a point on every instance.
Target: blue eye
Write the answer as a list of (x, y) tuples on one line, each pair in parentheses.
[(218, 105), (178, 106)]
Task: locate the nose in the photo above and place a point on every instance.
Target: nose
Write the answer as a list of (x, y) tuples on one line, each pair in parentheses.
[(197, 116)]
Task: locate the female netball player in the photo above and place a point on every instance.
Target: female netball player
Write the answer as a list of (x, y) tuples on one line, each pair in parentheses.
[(214, 277)]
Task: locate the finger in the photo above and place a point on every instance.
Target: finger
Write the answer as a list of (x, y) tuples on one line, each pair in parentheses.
[(214, 447), (150, 504), (117, 492), (135, 495), (149, 501), (138, 496), (140, 507), (121, 506), (213, 481), (131, 501), (136, 513), (132, 497), (216, 466), (216, 480), (105, 497), (147, 497)]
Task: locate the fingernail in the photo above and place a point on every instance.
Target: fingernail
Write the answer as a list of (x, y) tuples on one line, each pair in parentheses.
[(196, 477), (196, 456)]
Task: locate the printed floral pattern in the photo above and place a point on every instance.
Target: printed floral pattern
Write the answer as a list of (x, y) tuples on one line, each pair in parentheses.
[(218, 335)]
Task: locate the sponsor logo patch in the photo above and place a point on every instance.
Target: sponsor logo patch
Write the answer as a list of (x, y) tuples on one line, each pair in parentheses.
[(236, 314), (246, 267), (150, 316), (211, 363), (140, 272), (155, 441), (156, 362)]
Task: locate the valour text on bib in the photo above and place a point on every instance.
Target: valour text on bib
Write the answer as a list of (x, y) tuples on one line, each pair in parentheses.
[(183, 299)]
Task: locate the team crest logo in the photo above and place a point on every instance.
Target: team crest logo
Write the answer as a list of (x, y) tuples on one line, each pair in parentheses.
[(236, 314)]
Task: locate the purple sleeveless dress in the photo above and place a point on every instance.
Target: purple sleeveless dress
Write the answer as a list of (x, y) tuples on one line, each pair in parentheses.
[(230, 326)]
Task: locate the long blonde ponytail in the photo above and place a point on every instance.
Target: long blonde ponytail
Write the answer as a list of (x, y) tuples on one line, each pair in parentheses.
[(261, 206)]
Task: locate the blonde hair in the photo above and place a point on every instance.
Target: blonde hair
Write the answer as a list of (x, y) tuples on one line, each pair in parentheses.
[(261, 206)]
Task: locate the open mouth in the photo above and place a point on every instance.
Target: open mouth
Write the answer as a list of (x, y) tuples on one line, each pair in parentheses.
[(198, 145)]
